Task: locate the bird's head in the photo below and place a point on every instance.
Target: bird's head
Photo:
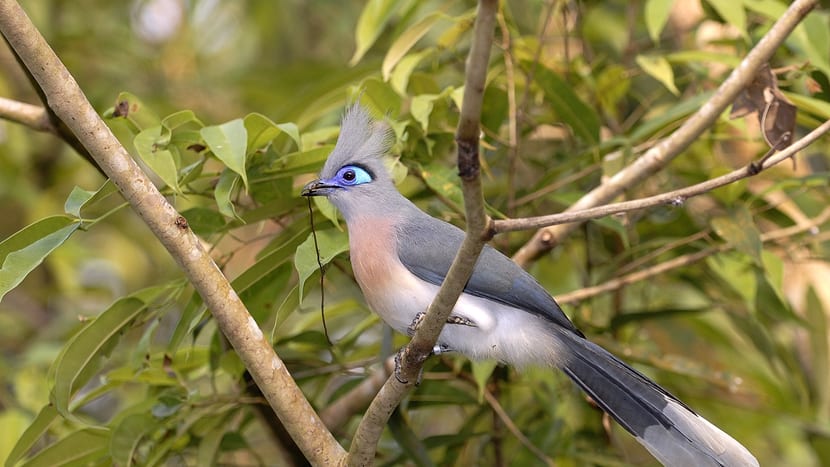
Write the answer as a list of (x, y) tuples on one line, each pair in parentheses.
[(355, 176)]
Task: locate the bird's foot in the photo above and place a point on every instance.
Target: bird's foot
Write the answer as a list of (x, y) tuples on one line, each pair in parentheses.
[(413, 326), (438, 349), (398, 373), (452, 319)]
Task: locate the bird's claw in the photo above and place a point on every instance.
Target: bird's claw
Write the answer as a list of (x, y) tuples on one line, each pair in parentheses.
[(413, 326), (438, 349)]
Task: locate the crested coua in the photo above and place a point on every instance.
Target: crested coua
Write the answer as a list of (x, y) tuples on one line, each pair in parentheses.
[(400, 255)]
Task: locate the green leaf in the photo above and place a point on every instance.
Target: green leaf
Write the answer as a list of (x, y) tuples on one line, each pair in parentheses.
[(262, 130), (77, 361), (81, 201), (26, 249), (582, 119), (204, 221), (229, 142), (371, 23), (33, 433), (739, 231), (98, 204), (421, 108), (737, 272), (134, 111), (127, 435), (399, 79), (179, 119), (77, 198), (407, 40), (211, 441), (658, 68), (820, 361), (331, 243), (482, 369), (78, 448), (158, 156), (224, 191), (379, 98), (732, 12), (656, 15)]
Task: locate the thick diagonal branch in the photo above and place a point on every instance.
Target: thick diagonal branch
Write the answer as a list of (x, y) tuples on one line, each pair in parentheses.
[(419, 348), (69, 103), (664, 152)]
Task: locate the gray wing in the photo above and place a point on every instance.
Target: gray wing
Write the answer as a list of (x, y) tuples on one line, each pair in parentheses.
[(427, 247)]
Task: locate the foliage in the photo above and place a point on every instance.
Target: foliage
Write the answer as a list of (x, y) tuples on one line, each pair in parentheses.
[(108, 355)]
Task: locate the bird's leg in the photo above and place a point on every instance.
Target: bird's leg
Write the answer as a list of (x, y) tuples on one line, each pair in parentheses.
[(453, 319), (438, 349), (413, 326)]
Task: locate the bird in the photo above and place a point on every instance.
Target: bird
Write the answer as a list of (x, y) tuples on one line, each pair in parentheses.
[(400, 256)]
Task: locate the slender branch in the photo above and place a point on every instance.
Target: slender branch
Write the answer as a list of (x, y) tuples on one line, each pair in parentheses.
[(508, 422), (676, 197), (69, 103), (29, 115), (419, 348), (355, 401), (684, 260), (661, 154)]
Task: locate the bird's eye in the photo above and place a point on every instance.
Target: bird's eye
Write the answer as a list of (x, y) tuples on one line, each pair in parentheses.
[(354, 175)]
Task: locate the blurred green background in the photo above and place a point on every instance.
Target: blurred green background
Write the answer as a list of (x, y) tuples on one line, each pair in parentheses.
[(576, 91)]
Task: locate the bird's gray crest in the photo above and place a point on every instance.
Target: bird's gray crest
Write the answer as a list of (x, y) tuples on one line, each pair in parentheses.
[(362, 141)]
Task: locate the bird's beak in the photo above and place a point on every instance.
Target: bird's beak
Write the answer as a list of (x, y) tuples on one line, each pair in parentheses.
[(318, 188)]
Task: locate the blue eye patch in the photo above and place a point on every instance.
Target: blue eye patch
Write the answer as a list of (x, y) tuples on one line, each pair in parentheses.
[(351, 175)]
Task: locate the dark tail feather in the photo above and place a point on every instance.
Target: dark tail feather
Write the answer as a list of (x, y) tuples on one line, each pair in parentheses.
[(670, 430)]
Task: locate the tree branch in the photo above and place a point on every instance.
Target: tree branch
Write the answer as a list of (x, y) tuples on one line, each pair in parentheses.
[(70, 104), (29, 115), (676, 197), (684, 260), (419, 348), (661, 154)]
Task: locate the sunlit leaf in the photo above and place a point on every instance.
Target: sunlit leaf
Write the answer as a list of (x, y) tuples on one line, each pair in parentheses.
[(158, 157), (732, 12), (26, 249), (371, 23), (399, 78), (229, 142), (261, 130), (406, 41), (330, 242), (658, 68), (656, 15)]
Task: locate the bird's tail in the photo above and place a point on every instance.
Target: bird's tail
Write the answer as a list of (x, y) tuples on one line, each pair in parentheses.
[(670, 430)]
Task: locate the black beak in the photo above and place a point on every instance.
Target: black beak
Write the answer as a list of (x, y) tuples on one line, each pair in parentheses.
[(318, 188)]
